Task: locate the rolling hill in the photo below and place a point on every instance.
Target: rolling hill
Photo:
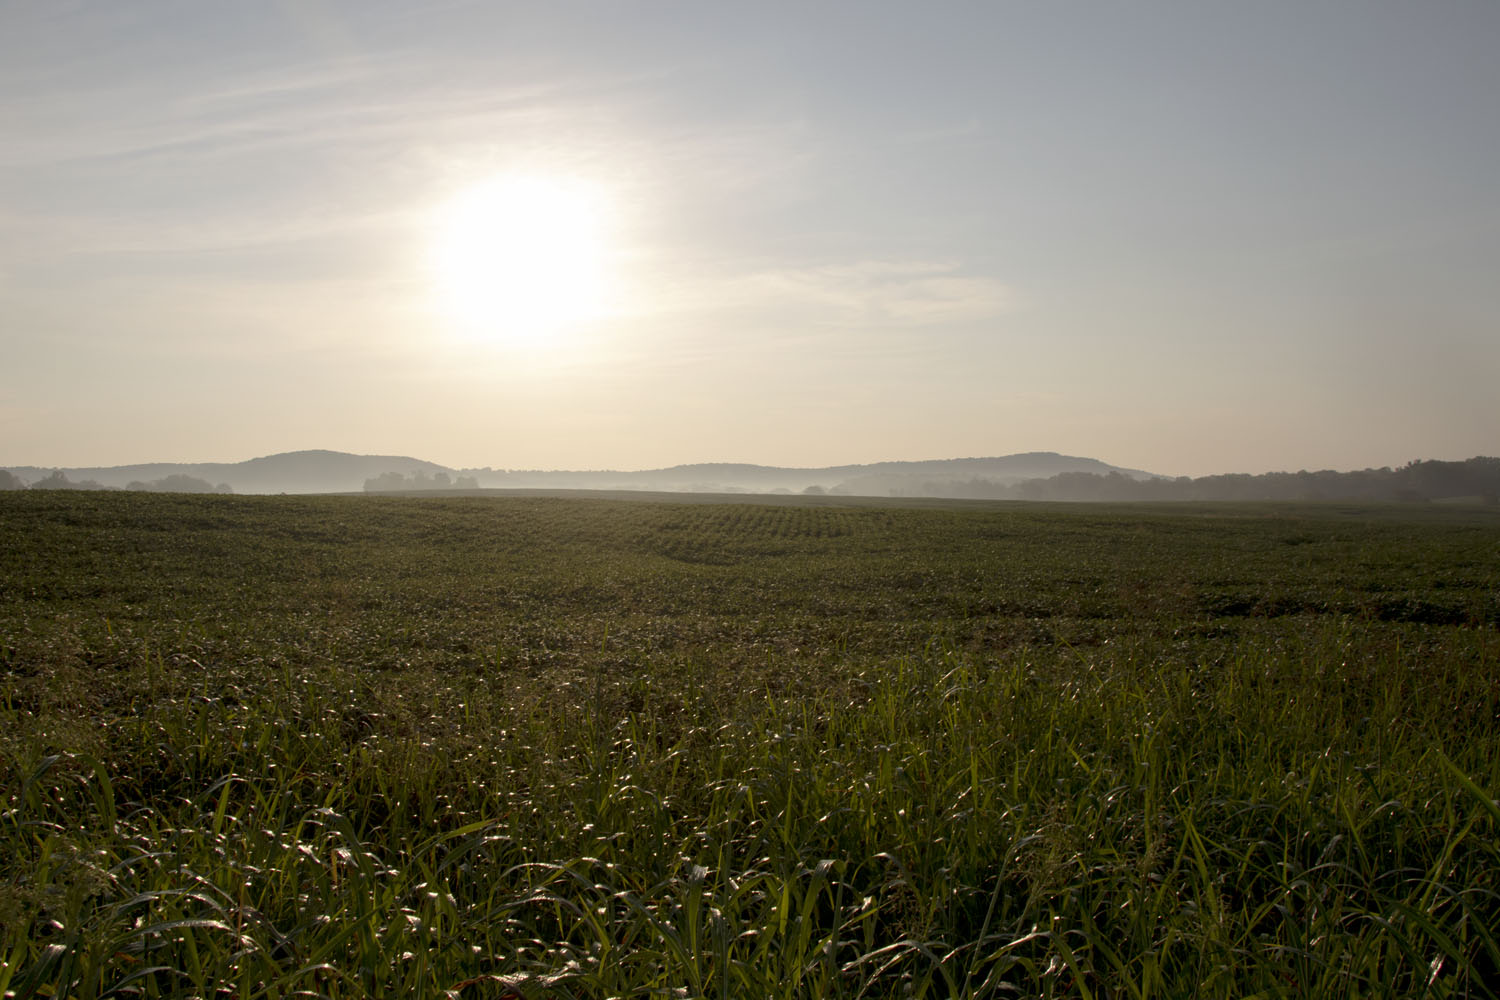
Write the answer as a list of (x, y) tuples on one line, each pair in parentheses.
[(340, 472)]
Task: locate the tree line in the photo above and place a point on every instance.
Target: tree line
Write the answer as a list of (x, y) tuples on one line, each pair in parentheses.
[(1476, 479), (395, 482), (56, 480)]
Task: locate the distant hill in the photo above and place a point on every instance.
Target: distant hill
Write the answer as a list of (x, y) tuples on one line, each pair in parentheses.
[(340, 472), (961, 477), (1041, 475), (936, 477), (289, 472)]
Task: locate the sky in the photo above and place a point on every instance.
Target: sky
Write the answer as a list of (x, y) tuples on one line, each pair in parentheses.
[(1181, 237)]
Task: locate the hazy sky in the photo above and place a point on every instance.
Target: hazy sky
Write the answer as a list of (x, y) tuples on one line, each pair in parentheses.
[(1183, 237)]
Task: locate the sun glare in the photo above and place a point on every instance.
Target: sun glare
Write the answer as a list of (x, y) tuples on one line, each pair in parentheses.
[(518, 259)]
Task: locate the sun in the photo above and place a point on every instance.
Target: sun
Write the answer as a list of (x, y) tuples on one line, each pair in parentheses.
[(519, 259)]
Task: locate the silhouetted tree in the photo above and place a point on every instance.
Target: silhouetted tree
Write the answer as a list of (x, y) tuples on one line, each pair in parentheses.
[(386, 482), (179, 483), (1416, 482), (57, 481)]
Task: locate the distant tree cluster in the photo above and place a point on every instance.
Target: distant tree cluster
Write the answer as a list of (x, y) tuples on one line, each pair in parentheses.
[(57, 480), (178, 483), (1477, 479), (395, 482)]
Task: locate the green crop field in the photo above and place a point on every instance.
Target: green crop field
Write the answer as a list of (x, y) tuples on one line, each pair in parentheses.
[(546, 747)]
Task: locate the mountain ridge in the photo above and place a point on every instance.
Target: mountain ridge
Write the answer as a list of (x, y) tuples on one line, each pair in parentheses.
[(326, 471), (1023, 476)]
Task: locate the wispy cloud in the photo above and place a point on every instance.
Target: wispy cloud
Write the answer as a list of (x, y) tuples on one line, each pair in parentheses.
[(861, 294)]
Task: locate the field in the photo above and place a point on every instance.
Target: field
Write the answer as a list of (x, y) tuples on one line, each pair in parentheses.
[(547, 747)]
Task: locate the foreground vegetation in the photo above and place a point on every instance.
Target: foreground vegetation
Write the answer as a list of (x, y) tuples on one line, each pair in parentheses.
[(536, 747)]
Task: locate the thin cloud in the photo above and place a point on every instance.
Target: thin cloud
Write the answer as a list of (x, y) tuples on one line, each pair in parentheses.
[(367, 101), (863, 294)]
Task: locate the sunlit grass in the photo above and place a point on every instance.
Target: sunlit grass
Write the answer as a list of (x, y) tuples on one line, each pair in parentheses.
[(475, 748)]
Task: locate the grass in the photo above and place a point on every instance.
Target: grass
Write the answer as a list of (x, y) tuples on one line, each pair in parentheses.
[(540, 747)]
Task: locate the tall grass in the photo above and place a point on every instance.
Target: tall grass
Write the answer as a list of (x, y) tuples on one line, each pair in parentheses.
[(932, 826)]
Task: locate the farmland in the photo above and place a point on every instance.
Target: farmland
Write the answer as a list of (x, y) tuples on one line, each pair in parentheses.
[(533, 746)]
